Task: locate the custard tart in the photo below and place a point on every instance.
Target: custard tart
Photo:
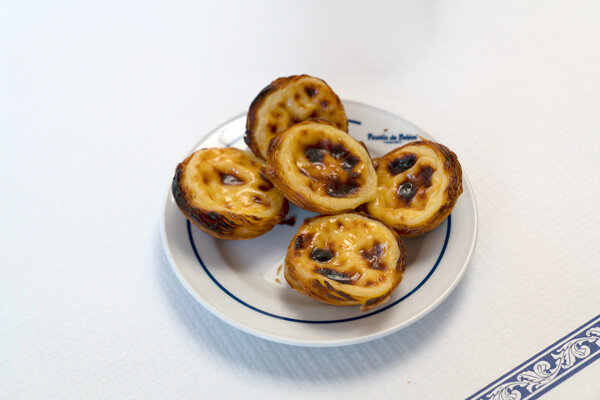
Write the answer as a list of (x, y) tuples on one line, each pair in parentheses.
[(321, 168), (287, 101), (225, 193), (417, 187), (345, 260)]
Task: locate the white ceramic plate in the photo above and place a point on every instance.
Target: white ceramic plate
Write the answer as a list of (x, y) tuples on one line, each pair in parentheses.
[(239, 281)]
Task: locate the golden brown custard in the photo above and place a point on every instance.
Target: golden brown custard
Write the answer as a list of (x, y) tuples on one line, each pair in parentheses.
[(345, 259), (320, 168), (287, 101), (224, 193), (417, 187)]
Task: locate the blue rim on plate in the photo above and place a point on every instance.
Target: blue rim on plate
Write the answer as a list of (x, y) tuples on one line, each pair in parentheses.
[(438, 276), (333, 321)]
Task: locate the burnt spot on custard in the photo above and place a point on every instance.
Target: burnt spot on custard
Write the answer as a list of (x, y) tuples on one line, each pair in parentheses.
[(335, 186), (373, 256), (321, 255), (421, 179), (316, 153), (347, 160), (338, 276), (324, 104), (311, 91), (303, 240), (230, 179), (406, 191), (401, 164)]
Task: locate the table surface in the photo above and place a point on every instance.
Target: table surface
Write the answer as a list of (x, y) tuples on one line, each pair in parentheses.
[(98, 102)]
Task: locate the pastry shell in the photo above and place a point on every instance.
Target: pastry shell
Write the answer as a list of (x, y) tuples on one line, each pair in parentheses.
[(345, 260), (418, 185), (287, 101), (224, 192), (321, 168)]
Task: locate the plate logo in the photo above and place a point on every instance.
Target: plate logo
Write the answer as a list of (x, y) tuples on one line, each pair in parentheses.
[(387, 138)]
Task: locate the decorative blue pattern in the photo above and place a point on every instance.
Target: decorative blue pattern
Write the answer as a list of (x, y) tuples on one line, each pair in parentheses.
[(548, 368), (189, 230)]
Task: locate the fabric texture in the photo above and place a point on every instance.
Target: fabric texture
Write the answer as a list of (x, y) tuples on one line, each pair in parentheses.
[(99, 102)]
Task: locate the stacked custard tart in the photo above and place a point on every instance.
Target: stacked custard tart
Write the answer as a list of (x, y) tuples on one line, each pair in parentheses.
[(301, 152)]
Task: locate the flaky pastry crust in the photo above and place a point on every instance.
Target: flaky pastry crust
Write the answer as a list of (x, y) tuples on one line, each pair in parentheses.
[(224, 192), (287, 101), (417, 187), (345, 260), (321, 168)]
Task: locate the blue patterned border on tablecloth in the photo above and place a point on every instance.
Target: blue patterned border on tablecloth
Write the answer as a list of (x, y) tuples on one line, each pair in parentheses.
[(548, 368)]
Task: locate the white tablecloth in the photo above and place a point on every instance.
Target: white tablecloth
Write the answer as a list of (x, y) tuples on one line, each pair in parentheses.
[(98, 102)]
